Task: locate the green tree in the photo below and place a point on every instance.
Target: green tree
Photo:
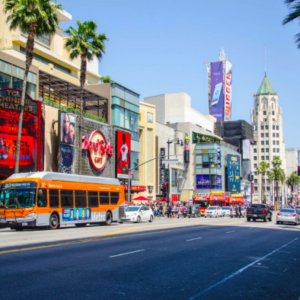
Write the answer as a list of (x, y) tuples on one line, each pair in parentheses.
[(294, 6), (293, 180), (34, 18), (262, 170), (86, 43), (106, 79), (278, 175)]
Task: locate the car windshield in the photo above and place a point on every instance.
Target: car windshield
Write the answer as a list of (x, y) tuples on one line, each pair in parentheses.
[(287, 210), (212, 208), (226, 208), (132, 209), (17, 198), (258, 206)]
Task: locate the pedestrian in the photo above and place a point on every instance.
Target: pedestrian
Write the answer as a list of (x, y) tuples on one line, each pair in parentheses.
[(236, 211), (170, 210), (231, 211), (189, 210), (240, 211)]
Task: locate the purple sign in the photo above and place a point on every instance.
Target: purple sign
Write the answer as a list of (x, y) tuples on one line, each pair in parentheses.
[(206, 181), (216, 90)]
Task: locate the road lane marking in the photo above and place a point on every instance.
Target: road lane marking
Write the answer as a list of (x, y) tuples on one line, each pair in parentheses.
[(194, 239), (127, 253), (107, 236), (242, 270), (230, 231)]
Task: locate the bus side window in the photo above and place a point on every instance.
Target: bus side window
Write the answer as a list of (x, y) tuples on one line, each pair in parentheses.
[(42, 198), (114, 198), (80, 199), (104, 198), (66, 198), (93, 199), (54, 198)]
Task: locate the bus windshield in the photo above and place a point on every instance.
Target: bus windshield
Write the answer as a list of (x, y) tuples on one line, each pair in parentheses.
[(15, 196), (202, 203)]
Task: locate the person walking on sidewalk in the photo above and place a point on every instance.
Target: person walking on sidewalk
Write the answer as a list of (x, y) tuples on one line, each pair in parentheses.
[(170, 210), (231, 211), (240, 211)]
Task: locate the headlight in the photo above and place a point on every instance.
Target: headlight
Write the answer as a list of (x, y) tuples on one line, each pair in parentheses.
[(32, 214)]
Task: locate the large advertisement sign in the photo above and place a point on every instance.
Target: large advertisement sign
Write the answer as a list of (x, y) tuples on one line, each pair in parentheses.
[(228, 91), (216, 90), (123, 152), (207, 181), (72, 214), (10, 100), (67, 125), (234, 173)]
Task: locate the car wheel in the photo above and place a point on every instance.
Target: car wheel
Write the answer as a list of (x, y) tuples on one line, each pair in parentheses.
[(265, 219), (151, 219), (54, 221), (270, 219), (138, 220), (248, 219), (277, 222)]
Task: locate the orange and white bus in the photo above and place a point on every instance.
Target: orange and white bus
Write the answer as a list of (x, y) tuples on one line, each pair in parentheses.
[(29, 200)]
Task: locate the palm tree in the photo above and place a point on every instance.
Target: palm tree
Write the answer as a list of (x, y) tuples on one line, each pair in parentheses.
[(35, 18), (262, 170), (294, 6), (293, 180), (278, 175), (86, 43)]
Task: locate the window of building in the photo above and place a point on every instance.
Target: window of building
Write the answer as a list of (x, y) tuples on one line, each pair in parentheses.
[(66, 198), (277, 150), (262, 150), (265, 113), (277, 127), (273, 120), (135, 162), (255, 173), (262, 143), (150, 155), (262, 127), (255, 180), (131, 120), (255, 150), (255, 143), (273, 134), (273, 113), (274, 150), (273, 142), (93, 199), (262, 135), (262, 158), (277, 135), (267, 150), (42, 198), (268, 189), (114, 198), (267, 135), (150, 117), (273, 127), (255, 157), (267, 142), (54, 198), (255, 165), (255, 188), (277, 142), (265, 120), (80, 199), (267, 158), (104, 198), (267, 127)]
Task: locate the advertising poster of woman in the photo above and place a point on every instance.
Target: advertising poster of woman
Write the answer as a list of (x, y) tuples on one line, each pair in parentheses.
[(67, 130), (123, 141)]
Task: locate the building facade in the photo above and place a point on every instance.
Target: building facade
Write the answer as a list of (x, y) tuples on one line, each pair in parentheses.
[(266, 118)]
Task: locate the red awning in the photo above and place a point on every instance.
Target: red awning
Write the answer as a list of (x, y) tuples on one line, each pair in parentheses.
[(164, 199), (141, 198)]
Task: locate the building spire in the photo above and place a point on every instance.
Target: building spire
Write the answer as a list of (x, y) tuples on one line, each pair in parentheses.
[(265, 61)]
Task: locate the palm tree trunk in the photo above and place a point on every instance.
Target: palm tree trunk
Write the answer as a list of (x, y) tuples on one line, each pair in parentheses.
[(82, 83), (261, 189), (276, 200), (29, 57)]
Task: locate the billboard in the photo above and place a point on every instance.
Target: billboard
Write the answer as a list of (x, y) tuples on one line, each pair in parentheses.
[(233, 173), (216, 90), (31, 147), (228, 91), (208, 182), (67, 127), (123, 152)]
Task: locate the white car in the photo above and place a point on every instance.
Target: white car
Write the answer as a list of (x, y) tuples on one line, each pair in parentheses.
[(138, 214), (226, 211), (214, 211)]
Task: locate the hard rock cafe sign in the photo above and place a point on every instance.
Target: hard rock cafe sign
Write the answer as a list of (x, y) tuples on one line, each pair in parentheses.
[(98, 148)]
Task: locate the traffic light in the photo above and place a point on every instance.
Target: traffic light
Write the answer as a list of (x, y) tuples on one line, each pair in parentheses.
[(165, 189)]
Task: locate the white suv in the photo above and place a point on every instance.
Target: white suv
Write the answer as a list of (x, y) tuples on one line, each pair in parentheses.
[(214, 211), (138, 214)]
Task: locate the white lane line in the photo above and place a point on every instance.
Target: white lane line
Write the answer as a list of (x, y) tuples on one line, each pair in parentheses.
[(241, 270), (194, 239), (127, 253), (230, 231)]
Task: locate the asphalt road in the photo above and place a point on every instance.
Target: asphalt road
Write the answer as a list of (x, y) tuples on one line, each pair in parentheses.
[(167, 259)]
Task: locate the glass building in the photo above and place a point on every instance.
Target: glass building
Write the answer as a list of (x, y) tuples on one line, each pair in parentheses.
[(125, 114)]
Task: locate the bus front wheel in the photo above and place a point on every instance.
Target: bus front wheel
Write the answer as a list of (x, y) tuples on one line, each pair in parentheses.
[(108, 218), (54, 221)]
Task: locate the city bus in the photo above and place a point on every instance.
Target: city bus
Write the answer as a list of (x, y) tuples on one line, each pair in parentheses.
[(48, 199)]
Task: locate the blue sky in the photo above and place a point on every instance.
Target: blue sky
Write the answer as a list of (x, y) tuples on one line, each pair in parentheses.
[(160, 46)]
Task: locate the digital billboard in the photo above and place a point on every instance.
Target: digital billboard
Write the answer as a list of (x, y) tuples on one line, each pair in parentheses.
[(123, 152), (67, 127), (31, 147), (228, 91), (233, 173), (216, 90)]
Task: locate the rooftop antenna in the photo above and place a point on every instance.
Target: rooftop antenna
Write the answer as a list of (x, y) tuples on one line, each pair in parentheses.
[(265, 61)]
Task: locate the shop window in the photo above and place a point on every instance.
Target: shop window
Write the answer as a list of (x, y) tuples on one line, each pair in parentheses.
[(80, 199), (93, 199), (114, 198), (66, 198), (104, 198), (54, 198), (42, 198)]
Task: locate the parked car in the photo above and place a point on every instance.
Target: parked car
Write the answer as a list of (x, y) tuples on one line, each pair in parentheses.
[(288, 215), (214, 211), (138, 214), (258, 211), (226, 211)]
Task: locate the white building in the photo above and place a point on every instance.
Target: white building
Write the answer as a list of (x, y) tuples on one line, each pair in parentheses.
[(292, 160), (266, 118), (176, 108)]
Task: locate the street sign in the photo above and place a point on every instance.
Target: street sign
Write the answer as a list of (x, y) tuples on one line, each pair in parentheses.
[(170, 161), (125, 176)]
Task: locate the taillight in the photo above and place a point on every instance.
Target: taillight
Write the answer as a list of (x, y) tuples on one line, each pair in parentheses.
[(264, 211), (279, 214), (293, 215), (247, 210)]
